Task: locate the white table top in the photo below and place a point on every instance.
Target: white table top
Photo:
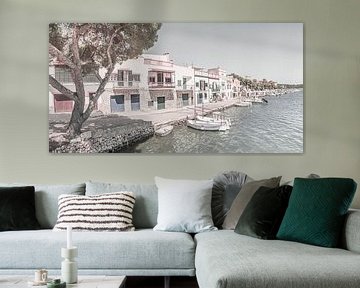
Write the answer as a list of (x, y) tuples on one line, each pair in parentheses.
[(84, 281)]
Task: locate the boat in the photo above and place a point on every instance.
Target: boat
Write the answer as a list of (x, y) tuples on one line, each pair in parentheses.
[(215, 123), (256, 100), (217, 117), (204, 126), (163, 131), (243, 104)]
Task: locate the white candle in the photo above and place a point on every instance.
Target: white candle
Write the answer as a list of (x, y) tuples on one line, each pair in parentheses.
[(69, 239)]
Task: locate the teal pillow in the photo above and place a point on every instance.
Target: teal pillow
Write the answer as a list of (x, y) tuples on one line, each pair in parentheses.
[(316, 211)]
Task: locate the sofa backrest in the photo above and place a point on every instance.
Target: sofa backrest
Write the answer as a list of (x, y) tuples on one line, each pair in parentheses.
[(146, 203), (46, 200)]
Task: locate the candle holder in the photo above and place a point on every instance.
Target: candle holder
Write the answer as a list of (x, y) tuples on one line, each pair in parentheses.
[(68, 265)]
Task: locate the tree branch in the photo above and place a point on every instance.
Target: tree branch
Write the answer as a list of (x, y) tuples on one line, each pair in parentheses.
[(109, 47), (84, 28), (98, 76), (62, 89), (57, 53), (75, 47), (76, 72), (104, 80)]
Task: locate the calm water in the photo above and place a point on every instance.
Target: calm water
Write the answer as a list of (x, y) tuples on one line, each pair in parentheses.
[(276, 127)]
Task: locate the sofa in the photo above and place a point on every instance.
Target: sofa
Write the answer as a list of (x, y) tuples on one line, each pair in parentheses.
[(218, 259)]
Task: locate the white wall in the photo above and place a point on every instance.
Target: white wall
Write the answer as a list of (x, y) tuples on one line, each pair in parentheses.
[(181, 72), (332, 85)]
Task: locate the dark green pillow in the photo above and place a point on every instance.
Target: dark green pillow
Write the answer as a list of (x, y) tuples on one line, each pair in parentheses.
[(17, 208), (263, 214), (316, 211)]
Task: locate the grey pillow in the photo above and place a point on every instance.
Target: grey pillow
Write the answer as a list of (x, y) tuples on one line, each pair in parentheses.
[(184, 205), (146, 204), (46, 200), (243, 198), (310, 176), (226, 187)]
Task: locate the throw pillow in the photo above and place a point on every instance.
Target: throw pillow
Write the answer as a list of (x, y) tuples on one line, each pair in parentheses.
[(311, 176), (184, 205), (17, 209), (146, 205), (317, 209), (226, 187), (243, 198), (106, 212), (263, 215)]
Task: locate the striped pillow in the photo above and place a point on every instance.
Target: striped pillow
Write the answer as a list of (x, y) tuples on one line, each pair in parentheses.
[(105, 212)]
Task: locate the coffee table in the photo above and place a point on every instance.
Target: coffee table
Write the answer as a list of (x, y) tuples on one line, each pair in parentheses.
[(83, 282)]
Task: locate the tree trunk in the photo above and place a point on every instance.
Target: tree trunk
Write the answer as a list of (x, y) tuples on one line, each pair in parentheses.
[(76, 120)]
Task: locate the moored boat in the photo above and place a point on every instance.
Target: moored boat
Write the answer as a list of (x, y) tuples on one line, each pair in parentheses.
[(217, 117), (243, 104), (203, 125), (163, 131), (256, 100)]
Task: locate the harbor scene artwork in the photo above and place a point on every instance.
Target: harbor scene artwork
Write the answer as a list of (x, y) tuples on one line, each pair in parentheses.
[(190, 88)]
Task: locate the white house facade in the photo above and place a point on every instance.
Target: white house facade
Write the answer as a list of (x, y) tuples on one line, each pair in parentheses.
[(147, 83)]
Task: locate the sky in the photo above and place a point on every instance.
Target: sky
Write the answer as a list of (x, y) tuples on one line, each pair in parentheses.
[(273, 51)]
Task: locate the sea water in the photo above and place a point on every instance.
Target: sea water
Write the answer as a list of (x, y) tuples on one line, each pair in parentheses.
[(275, 127)]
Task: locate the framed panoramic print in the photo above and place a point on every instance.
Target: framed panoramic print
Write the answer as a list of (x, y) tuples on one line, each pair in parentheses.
[(176, 88)]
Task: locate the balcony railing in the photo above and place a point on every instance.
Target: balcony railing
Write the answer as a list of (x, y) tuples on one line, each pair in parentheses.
[(126, 84), (161, 84), (185, 87), (158, 63)]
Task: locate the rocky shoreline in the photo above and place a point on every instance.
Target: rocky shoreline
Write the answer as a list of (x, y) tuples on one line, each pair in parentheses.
[(113, 133), (104, 134)]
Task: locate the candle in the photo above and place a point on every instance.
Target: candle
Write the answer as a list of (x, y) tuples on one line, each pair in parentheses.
[(69, 239)]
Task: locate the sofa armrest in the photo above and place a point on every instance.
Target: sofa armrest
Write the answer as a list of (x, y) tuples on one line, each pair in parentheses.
[(351, 234)]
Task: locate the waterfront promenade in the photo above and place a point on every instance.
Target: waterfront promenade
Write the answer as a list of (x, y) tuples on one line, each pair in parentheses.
[(177, 115), (113, 132)]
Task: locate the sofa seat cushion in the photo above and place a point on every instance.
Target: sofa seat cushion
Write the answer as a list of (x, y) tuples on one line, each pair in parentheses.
[(226, 259), (142, 249)]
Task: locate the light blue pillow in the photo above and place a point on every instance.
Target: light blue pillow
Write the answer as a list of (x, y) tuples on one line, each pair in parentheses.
[(184, 205)]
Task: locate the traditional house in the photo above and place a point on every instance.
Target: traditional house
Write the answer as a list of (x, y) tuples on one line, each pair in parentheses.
[(184, 85), (146, 83), (59, 103), (234, 87), (222, 80), (149, 82), (201, 88)]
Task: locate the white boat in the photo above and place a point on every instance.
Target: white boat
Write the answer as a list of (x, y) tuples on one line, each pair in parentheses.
[(163, 131), (243, 104), (217, 117), (203, 125), (256, 100)]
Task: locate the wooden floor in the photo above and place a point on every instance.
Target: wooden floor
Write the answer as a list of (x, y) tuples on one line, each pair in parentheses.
[(158, 282)]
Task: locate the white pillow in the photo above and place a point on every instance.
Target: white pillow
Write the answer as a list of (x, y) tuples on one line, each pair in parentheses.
[(184, 205), (104, 212)]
